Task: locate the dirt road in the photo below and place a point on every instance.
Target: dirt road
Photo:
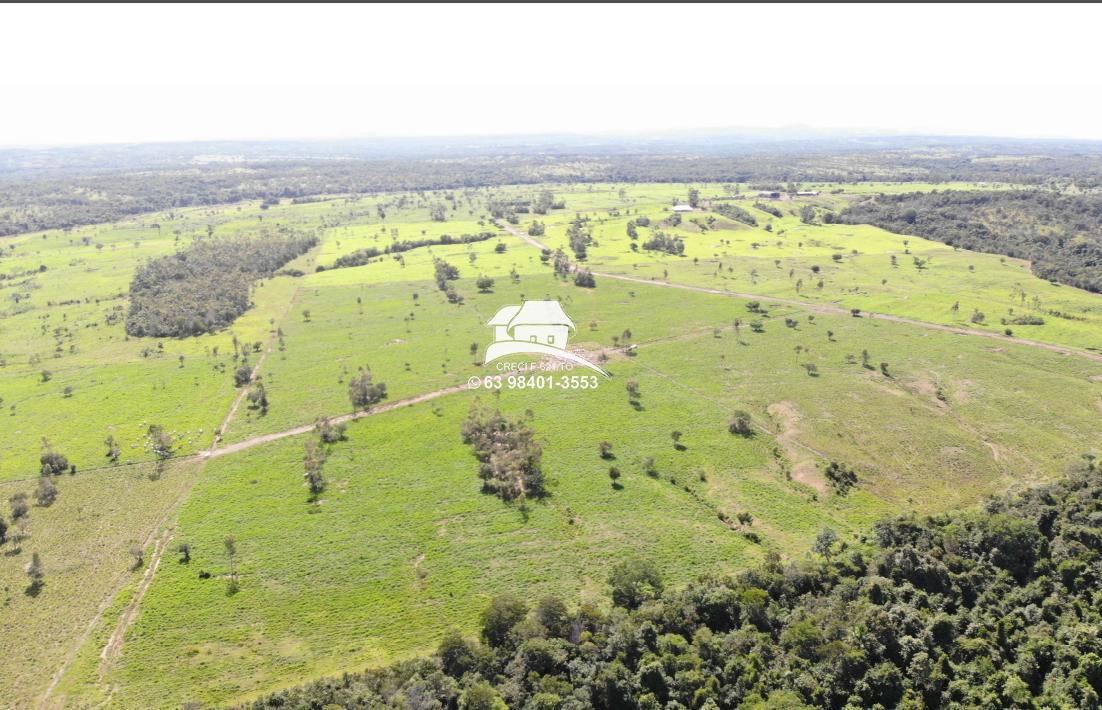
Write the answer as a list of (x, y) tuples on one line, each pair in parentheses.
[(828, 308)]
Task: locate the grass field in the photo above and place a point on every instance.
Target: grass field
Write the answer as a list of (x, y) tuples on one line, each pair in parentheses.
[(403, 544), (84, 541), (857, 266)]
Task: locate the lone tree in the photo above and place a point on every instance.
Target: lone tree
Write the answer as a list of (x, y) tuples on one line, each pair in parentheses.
[(585, 279), (258, 397), (363, 392), (605, 449), (113, 449), (46, 492), (330, 433), (36, 573), (19, 506), (614, 474), (230, 545), (161, 442), (243, 375), (485, 284), (841, 477), (313, 463)]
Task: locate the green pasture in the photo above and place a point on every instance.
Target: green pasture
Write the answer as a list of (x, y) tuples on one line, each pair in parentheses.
[(402, 544)]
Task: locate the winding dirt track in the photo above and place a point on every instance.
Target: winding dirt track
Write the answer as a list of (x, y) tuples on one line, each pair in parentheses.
[(828, 308), (114, 645)]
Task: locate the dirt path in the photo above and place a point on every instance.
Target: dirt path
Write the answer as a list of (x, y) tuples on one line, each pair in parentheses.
[(828, 309), (252, 377), (162, 524), (306, 428), (114, 644), (804, 469), (113, 647), (523, 235)]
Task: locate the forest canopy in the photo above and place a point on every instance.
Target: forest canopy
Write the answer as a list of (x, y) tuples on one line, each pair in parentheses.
[(34, 200), (996, 607), (1061, 235), (206, 286)]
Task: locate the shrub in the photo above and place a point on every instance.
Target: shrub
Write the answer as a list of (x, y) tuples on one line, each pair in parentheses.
[(741, 424), (363, 392), (509, 455)]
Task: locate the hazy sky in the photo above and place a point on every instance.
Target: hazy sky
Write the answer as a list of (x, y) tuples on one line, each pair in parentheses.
[(80, 74)]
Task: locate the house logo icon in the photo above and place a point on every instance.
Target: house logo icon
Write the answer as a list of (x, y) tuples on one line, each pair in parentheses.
[(535, 327)]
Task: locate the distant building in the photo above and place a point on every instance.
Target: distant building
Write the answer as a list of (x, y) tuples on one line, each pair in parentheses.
[(682, 208), (769, 194), (807, 193)]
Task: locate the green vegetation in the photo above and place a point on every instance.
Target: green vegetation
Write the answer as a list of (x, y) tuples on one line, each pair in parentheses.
[(967, 609), (81, 189), (206, 286), (82, 543), (338, 520), (361, 257), (508, 455), (1060, 235), (736, 213)]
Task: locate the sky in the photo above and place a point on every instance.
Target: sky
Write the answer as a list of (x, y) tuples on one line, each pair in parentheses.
[(131, 74)]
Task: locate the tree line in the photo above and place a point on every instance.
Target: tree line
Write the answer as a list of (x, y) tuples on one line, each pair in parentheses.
[(62, 199), (1061, 235), (994, 607), (363, 256)]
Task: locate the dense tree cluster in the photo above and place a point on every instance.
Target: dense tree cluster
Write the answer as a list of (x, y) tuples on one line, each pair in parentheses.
[(508, 453), (584, 278), (363, 256), (998, 607), (206, 286), (735, 212), (579, 237), (660, 241), (768, 209), (1061, 235)]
